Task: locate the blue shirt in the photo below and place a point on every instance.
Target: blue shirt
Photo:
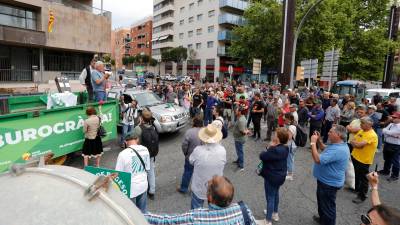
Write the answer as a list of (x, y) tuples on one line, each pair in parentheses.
[(211, 102), (96, 75), (213, 215), (333, 164)]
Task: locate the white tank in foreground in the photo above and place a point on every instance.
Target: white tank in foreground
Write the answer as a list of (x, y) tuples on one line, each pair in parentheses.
[(56, 195)]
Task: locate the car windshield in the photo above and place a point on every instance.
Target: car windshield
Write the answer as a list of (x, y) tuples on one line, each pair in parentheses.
[(343, 90), (147, 99)]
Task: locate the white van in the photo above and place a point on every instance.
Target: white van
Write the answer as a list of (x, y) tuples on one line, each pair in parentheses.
[(384, 93)]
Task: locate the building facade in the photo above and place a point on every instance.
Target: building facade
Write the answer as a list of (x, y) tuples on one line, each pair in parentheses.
[(141, 34), (120, 39), (42, 39), (204, 27)]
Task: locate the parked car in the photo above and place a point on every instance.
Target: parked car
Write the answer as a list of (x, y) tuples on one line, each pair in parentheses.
[(169, 77), (385, 93), (129, 82), (150, 75), (168, 117)]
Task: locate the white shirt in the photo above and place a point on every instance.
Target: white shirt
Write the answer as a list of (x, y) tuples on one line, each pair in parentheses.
[(392, 133), (292, 129), (208, 160), (130, 114), (129, 162), (83, 75), (296, 117)]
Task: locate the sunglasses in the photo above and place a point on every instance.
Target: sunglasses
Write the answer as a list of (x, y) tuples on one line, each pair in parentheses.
[(365, 219)]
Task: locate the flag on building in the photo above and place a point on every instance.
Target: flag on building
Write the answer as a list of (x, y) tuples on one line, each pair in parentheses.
[(51, 21)]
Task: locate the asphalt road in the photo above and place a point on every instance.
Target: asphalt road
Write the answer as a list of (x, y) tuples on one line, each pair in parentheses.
[(297, 197)]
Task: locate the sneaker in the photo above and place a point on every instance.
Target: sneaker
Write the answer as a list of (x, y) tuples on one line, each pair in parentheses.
[(266, 222), (358, 200), (289, 177), (391, 179), (317, 219), (236, 161), (240, 169), (275, 217), (150, 196), (383, 173)]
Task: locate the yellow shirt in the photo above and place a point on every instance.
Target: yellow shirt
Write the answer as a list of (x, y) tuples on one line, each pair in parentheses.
[(365, 154)]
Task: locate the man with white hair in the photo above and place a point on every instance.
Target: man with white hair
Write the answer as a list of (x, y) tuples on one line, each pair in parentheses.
[(364, 145), (99, 82)]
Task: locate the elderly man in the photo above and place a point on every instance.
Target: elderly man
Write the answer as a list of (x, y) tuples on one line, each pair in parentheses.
[(329, 170), (99, 82), (364, 145), (86, 79), (302, 113), (332, 116), (221, 210), (208, 160), (354, 126), (190, 142), (316, 116), (391, 149), (293, 111)]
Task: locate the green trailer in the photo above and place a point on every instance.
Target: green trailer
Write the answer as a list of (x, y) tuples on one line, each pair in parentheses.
[(28, 129)]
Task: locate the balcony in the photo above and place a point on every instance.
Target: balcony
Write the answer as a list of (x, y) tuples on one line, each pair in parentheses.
[(231, 19), (226, 36), (165, 32), (163, 21), (164, 44), (233, 5), (163, 8), (81, 6)]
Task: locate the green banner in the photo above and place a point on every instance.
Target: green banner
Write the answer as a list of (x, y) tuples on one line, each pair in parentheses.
[(122, 181), (57, 131)]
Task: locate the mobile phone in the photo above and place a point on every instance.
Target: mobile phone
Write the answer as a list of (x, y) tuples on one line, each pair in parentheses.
[(376, 168)]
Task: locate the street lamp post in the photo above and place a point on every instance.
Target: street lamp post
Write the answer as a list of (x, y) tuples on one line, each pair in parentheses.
[(296, 36)]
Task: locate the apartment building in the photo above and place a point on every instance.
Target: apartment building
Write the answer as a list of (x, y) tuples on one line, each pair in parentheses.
[(204, 27), (120, 45), (141, 34), (31, 52)]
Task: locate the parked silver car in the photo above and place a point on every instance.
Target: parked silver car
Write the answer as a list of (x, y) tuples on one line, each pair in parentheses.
[(168, 117)]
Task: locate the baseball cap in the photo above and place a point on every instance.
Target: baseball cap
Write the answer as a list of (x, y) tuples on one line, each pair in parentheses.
[(396, 115), (372, 107), (293, 106)]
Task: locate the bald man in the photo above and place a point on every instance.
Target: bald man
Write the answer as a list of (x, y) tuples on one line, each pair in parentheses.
[(221, 210)]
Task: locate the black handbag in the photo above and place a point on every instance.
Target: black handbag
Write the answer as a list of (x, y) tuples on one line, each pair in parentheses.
[(101, 131)]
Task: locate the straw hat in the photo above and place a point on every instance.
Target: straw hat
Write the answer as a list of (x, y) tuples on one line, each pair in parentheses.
[(210, 134)]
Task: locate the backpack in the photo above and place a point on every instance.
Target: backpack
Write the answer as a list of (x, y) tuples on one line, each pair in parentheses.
[(149, 139), (224, 129), (301, 136)]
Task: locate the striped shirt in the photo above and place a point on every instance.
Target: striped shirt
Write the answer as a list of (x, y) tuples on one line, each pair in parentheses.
[(212, 215), (392, 134)]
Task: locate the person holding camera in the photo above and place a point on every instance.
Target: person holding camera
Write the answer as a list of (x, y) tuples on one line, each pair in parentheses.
[(130, 118)]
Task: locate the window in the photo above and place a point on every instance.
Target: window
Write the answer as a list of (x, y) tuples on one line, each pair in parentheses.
[(211, 13), (210, 44), (210, 29), (17, 17), (181, 22), (190, 33), (199, 31), (190, 46), (191, 19), (191, 5), (199, 2), (182, 9), (198, 45), (181, 36), (199, 17)]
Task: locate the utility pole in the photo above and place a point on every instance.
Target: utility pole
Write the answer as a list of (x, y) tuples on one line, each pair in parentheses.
[(392, 35), (289, 11)]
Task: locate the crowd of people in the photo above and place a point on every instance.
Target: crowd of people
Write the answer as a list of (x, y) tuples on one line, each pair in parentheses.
[(343, 135)]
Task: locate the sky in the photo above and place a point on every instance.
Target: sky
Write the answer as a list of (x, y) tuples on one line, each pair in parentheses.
[(126, 12)]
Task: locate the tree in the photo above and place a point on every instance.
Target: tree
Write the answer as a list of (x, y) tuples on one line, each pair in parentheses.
[(125, 61), (153, 62), (357, 27), (113, 62), (106, 58), (176, 55)]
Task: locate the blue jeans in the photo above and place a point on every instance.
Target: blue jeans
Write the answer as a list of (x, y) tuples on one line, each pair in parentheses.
[(290, 159), (141, 202), (100, 96), (326, 198), (151, 176), (208, 117), (125, 130), (326, 129), (196, 202), (391, 155), (239, 152), (379, 133), (187, 175), (272, 197)]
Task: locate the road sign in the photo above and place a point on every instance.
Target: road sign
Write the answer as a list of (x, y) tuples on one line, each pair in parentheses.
[(310, 68), (256, 66), (330, 66), (230, 70)]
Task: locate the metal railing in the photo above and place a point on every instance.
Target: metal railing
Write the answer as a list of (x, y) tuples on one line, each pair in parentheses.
[(237, 4), (10, 75), (226, 35), (228, 18), (71, 75), (81, 6)]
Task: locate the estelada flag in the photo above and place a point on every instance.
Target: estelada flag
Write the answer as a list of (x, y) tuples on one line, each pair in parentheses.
[(51, 21)]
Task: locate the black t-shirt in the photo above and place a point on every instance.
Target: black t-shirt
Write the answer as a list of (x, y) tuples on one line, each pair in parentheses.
[(230, 98), (258, 105), (205, 96), (197, 100), (384, 116), (390, 108)]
